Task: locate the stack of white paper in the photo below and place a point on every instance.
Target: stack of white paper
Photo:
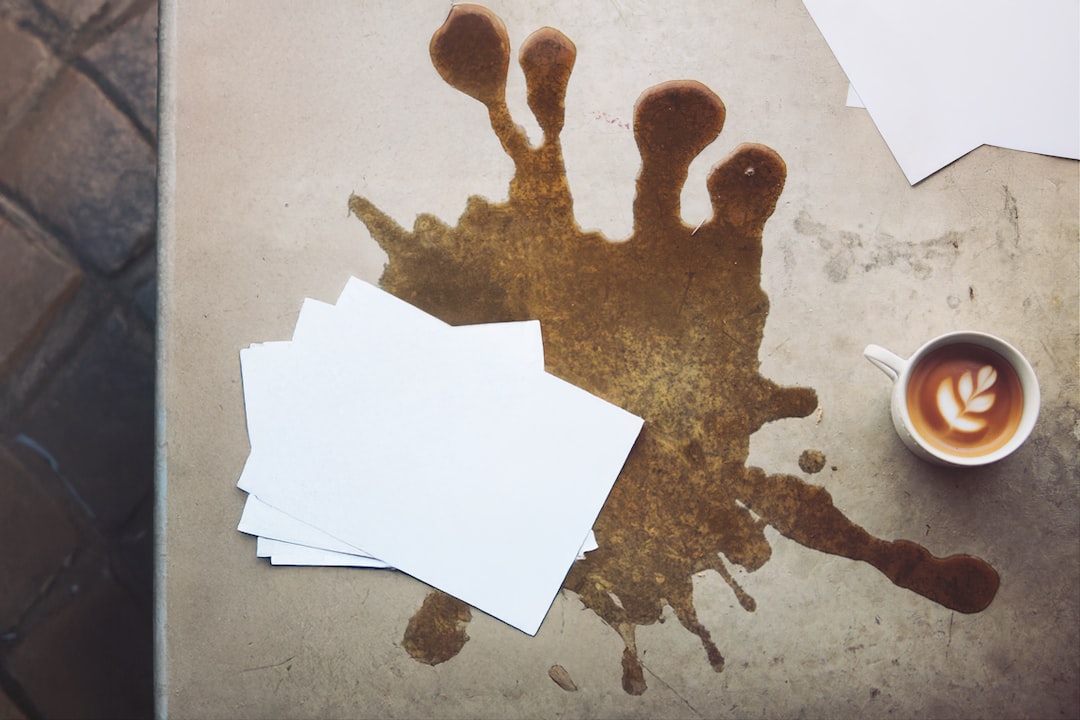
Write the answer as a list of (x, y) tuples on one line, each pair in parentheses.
[(383, 437)]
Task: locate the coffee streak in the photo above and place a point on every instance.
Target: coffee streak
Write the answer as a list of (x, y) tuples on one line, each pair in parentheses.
[(667, 325)]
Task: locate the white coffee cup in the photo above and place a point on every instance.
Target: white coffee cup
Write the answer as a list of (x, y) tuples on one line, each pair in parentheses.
[(938, 446)]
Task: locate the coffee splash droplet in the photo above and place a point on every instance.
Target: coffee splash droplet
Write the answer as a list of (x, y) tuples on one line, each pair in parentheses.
[(436, 632), (812, 461), (667, 324), (562, 678)]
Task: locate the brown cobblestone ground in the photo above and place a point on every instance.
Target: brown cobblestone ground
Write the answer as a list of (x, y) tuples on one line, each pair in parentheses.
[(78, 107)]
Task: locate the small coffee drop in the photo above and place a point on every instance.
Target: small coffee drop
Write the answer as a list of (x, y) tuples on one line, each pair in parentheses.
[(562, 678), (812, 461)]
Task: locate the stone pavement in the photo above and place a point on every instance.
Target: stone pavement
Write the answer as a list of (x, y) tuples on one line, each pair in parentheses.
[(78, 106)]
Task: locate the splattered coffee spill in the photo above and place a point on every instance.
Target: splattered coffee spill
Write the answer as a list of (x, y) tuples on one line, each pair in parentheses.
[(436, 632), (805, 513), (812, 461), (667, 324), (562, 678)]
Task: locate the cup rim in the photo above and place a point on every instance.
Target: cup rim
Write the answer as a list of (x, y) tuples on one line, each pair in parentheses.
[(1029, 382)]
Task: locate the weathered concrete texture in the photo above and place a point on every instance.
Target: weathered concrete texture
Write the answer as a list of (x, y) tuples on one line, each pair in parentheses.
[(96, 418), (84, 170), (269, 142), (38, 527), (92, 658), (34, 285)]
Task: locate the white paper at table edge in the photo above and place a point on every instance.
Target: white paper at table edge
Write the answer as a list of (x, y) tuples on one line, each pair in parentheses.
[(281, 552), (284, 553), (522, 339), (269, 523), (908, 126), (359, 301), (519, 341), (263, 520), (853, 99), (302, 505), (258, 518)]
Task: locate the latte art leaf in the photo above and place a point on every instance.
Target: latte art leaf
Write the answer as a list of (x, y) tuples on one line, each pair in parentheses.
[(981, 404), (969, 396), (965, 386)]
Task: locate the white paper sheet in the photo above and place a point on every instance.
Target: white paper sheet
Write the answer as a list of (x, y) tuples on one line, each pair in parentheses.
[(942, 78), (275, 529), (445, 452), (269, 523), (853, 99), (284, 553), (517, 341)]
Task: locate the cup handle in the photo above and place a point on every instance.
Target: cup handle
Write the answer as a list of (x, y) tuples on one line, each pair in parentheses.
[(887, 361)]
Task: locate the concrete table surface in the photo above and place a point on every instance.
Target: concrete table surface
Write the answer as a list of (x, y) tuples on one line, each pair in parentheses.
[(274, 113)]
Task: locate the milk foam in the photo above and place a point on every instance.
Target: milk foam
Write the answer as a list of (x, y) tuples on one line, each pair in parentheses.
[(962, 400)]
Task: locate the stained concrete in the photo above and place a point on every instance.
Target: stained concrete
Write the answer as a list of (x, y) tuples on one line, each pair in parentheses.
[(273, 115)]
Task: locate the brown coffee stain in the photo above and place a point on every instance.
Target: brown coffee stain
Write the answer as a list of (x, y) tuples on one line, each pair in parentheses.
[(562, 678), (436, 632), (667, 325), (812, 461)]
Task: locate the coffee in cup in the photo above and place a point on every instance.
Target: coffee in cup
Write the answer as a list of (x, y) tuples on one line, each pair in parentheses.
[(962, 399)]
